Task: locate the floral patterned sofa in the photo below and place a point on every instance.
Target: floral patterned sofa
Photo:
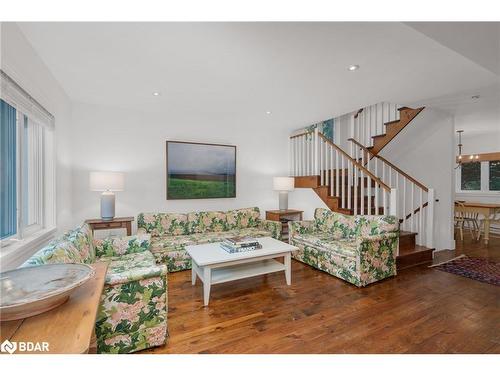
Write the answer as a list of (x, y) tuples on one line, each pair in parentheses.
[(358, 249), (172, 232), (133, 309)]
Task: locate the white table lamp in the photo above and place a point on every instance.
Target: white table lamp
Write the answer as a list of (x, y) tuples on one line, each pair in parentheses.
[(108, 183), (283, 185)]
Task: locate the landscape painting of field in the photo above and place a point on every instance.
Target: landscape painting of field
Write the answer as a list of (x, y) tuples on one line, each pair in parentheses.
[(200, 171)]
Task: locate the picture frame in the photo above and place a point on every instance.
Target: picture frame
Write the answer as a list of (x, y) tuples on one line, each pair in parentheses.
[(200, 170)]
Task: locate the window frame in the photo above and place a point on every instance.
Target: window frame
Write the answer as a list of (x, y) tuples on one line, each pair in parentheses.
[(45, 223), (485, 181)]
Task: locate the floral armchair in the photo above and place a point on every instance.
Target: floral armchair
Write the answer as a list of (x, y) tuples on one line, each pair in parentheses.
[(172, 232), (358, 249), (133, 308)]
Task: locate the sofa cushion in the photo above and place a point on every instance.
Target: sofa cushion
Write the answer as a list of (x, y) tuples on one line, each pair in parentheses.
[(174, 243), (345, 247), (132, 267), (118, 246), (82, 238), (61, 251), (338, 225), (159, 224), (243, 218), (374, 225), (207, 221), (171, 250)]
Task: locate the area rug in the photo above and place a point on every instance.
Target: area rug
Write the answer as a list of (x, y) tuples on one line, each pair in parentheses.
[(480, 269)]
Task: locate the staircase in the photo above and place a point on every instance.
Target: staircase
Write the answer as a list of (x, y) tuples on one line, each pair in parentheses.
[(362, 182), (391, 128)]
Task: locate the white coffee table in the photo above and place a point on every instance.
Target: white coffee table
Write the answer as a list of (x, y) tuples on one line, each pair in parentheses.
[(213, 265)]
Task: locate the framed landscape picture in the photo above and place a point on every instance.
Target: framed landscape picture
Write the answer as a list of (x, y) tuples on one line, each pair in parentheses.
[(200, 170)]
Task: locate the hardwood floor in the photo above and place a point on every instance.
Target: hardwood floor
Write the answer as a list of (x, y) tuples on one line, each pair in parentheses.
[(422, 310)]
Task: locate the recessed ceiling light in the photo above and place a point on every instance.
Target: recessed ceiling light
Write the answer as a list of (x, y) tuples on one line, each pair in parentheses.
[(156, 93), (475, 97), (268, 112), (352, 68)]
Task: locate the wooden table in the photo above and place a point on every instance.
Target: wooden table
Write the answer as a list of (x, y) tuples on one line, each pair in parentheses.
[(69, 328), (115, 223), (284, 216), (488, 210)]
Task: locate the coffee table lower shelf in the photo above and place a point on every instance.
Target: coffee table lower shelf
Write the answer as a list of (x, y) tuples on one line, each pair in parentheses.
[(217, 274)]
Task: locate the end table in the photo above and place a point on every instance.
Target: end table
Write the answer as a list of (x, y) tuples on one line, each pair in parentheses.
[(284, 216), (116, 223)]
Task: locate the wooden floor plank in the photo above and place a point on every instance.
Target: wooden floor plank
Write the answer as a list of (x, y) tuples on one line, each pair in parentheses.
[(422, 310)]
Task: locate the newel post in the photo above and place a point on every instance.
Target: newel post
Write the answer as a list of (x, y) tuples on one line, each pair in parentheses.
[(429, 230)]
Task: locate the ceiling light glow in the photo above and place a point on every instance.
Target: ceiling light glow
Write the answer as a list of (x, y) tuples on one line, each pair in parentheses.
[(352, 68)]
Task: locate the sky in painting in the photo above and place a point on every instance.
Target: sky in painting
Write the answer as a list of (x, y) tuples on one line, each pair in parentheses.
[(186, 158)]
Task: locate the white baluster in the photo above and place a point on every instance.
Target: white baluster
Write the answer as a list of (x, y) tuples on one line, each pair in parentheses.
[(337, 186), (343, 184), (421, 217), (355, 191), (331, 172), (362, 193)]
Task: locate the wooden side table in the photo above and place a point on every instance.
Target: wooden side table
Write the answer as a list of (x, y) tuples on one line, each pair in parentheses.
[(284, 216), (116, 223), (69, 328)]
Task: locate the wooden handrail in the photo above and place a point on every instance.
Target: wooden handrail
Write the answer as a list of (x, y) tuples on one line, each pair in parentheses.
[(417, 210), (357, 113), (378, 180), (301, 134), (419, 184)]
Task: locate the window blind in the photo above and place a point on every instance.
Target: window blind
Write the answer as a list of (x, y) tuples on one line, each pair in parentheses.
[(8, 193)]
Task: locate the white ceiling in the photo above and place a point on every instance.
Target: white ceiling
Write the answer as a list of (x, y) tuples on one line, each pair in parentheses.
[(296, 70), (478, 41)]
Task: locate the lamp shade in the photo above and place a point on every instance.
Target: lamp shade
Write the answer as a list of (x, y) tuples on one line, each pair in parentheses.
[(283, 183), (107, 181)]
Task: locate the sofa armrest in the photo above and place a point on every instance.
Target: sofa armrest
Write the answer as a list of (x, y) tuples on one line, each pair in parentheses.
[(377, 237), (272, 226), (116, 246), (300, 227), (136, 274), (377, 256)]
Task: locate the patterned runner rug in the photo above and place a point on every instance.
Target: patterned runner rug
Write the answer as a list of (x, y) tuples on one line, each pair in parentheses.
[(480, 269)]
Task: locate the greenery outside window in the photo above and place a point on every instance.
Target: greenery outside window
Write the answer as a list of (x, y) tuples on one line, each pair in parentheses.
[(494, 169)]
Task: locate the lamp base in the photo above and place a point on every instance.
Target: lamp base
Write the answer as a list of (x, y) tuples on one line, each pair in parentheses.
[(107, 205), (283, 200)]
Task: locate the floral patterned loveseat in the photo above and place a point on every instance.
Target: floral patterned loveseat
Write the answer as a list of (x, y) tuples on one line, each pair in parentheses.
[(172, 232), (357, 249), (133, 309)]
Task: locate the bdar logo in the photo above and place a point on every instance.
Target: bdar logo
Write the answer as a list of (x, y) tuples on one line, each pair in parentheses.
[(9, 347)]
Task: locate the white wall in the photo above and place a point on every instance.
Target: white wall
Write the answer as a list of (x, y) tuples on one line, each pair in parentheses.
[(134, 142), (481, 125), (20, 62), (425, 150)]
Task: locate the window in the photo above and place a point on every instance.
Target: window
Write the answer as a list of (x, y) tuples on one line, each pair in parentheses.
[(471, 176), (494, 169), (480, 176), (27, 188)]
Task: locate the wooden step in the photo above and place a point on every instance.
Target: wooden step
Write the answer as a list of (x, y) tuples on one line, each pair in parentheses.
[(417, 256), (406, 242), (307, 181), (393, 128)]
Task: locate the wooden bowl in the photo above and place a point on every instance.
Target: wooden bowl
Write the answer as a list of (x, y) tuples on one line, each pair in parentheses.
[(29, 291)]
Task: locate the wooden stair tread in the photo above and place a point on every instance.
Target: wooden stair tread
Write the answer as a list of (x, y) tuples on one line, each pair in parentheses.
[(414, 257)]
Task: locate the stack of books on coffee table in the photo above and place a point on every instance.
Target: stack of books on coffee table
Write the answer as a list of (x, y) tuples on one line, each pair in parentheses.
[(240, 244)]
